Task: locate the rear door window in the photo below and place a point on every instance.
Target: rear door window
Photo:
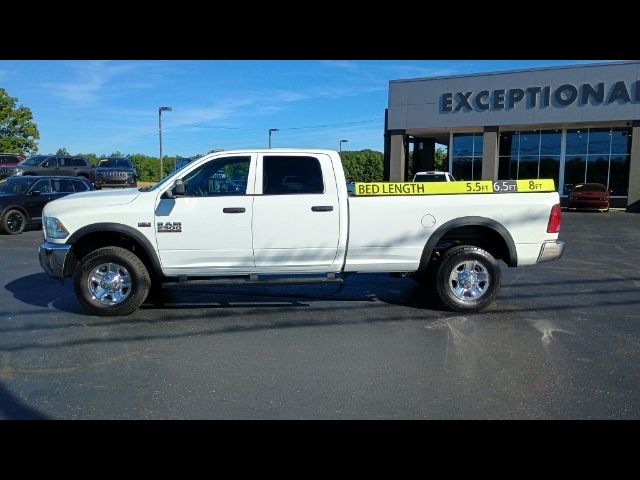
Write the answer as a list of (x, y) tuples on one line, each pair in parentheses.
[(80, 186), (62, 186), (288, 175)]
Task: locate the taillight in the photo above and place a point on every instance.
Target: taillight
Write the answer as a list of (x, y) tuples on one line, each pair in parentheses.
[(554, 220)]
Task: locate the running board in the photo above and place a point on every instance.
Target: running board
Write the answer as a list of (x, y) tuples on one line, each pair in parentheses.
[(255, 280)]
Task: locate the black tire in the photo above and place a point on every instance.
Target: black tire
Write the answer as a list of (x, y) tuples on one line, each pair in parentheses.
[(467, 279), (134, 286), (13, 222)]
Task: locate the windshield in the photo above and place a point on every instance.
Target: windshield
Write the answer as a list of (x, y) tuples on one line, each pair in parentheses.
[(32, 161), (114, 163), (590, 187), (16, 185), (430, 178), (157, 185), (181, 163)]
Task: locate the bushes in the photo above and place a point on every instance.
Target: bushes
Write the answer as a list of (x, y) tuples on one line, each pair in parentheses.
[(148, 168), (363, 166)]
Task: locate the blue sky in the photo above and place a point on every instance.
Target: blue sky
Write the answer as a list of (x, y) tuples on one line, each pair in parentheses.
[(105, 106)]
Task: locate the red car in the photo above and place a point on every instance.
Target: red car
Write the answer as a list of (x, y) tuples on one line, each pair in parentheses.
[(589, 196), (8, 161)]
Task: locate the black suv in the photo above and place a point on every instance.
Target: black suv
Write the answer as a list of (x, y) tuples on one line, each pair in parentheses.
[(56, 165), (115, 172), (8, 161), (23, 198)]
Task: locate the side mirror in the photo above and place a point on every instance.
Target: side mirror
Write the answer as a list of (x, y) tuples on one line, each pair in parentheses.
[(177, 190), (45, 165)]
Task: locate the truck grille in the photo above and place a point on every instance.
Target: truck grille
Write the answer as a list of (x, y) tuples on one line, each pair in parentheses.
[(113, 174)]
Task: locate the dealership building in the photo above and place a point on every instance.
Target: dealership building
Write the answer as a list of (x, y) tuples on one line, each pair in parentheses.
[(574, 124)]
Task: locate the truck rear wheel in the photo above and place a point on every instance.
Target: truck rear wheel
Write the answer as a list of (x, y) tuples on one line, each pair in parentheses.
[(467, 279), (111, 281)]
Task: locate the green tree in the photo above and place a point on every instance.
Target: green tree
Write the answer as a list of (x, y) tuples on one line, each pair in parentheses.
[(363, 165), (62, 152), (92, 157), (148, 167), (18, 131), (441, 160)]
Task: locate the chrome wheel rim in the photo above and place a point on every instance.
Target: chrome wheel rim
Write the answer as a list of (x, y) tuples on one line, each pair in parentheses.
[(109, 284), (469, 281), (15, 222)]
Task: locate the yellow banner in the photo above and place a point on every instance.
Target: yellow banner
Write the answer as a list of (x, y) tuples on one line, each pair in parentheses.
[(445, 188)]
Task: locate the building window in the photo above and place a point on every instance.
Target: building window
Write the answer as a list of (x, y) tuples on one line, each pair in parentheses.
[(467, 156), (530, 154), (598, 155)]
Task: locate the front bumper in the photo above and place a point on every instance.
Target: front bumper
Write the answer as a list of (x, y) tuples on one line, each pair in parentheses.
[(115, 180), (551, 250), (52, 258)]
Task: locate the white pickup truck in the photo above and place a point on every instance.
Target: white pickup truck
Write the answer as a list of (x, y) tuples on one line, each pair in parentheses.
[(284, 216)]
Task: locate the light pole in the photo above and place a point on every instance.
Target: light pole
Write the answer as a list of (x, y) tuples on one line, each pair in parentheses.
[(270, 131), (160, 110), (341, 142)]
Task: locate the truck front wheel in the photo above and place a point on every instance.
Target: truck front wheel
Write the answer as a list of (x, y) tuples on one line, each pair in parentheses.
[(111, 281), (467, 279)]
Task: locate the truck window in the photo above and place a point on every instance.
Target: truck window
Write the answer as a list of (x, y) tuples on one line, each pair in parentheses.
[(222, 176), (286, 175)]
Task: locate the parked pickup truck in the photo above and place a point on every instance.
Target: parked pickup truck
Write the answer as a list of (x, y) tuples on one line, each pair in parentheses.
[(284, 216)]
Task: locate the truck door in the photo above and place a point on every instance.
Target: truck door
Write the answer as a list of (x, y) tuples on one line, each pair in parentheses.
[(208, 231), (295, 212)]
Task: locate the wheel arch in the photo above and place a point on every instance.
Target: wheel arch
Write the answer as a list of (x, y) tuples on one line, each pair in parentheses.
[(474, 228), (97, 235)]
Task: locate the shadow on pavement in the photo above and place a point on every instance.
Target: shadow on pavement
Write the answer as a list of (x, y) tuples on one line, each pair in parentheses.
[(12, 408), (40, 290)]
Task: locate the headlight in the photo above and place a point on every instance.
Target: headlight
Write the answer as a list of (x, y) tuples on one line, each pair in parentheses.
[(54, 228), (18, 171)]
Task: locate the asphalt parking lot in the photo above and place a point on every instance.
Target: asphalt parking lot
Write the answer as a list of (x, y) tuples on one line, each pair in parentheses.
[(562, 341)]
